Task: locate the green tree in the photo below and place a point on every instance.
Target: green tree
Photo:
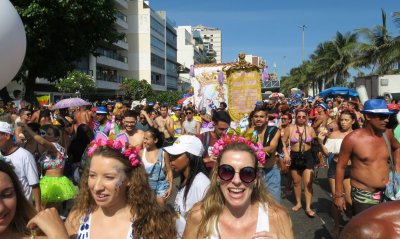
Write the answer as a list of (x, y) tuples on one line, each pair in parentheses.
[(76, 81), (171, 97), (377, 52), (61, 32), (137, 90)]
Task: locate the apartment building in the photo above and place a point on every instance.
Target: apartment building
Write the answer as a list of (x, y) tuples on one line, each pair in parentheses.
[(190, 51), (212, 40), (152, 48)]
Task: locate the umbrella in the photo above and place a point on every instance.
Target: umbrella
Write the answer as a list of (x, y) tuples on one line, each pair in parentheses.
[(71, 102), (276, 95), (338, 90)]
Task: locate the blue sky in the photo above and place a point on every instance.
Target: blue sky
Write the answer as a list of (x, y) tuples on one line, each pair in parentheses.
[(270, 28)]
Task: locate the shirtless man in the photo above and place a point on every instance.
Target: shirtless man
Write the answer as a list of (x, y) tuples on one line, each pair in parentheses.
[(135, 136), (367, 150), (165, 125), (82, 116)]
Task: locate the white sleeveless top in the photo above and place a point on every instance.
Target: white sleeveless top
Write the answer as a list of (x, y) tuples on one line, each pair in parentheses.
[(262, 222), (84, 228), (333, 145)]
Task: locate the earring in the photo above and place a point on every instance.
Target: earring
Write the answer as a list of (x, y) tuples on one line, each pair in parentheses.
[(218, 183)]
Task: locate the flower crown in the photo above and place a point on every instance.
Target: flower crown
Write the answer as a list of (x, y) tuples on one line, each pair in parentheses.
[(132, 153), (226, 139)]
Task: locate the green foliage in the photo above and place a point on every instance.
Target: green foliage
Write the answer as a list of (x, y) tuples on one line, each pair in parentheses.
[(76, 81), (170, 97), (61, 32), (137, 90)]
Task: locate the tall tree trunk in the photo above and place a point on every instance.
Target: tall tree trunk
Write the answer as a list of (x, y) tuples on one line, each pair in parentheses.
[(30, 86)]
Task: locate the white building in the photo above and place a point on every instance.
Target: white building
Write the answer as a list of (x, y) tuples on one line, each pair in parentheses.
[(255, 60), (152, 46), (148, 51), (212, 39)]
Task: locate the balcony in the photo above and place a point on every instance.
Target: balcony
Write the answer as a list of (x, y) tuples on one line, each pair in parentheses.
[(122, 44), (111, 59), (121, 4), (122, 21), (270, 84)]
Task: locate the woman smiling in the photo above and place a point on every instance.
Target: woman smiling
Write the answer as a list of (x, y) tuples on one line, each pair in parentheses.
[(115, 199), (237, 204)]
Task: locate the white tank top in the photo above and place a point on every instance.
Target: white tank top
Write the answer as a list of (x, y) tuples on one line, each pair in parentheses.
[(147, 165), (262, 222)]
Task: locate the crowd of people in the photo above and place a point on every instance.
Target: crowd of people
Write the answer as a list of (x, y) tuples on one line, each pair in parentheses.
[(110, 169)]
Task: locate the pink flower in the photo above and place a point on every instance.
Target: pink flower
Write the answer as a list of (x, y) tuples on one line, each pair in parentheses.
[(261, 157), (241, 139), (109, 143), (220, 141), (91, 150), (215, 152), (134, 160), (117, 145)]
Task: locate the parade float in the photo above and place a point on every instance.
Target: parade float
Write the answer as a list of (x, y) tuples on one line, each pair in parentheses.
[(237, 84)]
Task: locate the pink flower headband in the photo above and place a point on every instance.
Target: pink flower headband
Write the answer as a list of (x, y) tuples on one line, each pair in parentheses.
[(132, 153), (225, 140)]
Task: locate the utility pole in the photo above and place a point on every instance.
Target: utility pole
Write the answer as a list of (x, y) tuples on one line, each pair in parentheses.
[(302, 41)]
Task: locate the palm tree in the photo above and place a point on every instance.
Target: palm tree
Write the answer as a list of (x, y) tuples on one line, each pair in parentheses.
[(333, 59), (378, 49)]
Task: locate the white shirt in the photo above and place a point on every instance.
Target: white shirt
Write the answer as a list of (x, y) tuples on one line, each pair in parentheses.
[(196, 192), (24, 166)]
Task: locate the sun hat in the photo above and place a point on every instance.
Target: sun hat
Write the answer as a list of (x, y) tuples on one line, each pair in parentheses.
[(186, 143), (6, 128), (376, 106), (101, 110)]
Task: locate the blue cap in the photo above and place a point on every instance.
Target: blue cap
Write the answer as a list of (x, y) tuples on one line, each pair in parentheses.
[(151, 103), (323, 105), (101, 110), (177, 108), (310, 99), (258, 103)]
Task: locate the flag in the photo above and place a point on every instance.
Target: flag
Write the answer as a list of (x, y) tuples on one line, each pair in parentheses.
[(43, 100)]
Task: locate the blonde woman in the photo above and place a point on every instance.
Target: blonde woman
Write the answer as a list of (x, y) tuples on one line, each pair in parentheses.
[(237, 194)]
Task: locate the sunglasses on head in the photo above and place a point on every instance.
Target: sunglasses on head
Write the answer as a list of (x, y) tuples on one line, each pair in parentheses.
[(227, 172)]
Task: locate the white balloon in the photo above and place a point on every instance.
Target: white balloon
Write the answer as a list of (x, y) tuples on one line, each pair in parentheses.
[(12, 42)]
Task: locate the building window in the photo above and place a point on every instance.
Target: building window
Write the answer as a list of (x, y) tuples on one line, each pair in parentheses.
[(157, 61), (157, 27), (157, 44), (157, 79)]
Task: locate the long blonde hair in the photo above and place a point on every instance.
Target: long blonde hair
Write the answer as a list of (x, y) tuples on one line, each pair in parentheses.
[(213, 203), (150, 219)]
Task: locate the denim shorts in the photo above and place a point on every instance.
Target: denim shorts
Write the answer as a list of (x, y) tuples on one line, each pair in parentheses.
[(160, 188)]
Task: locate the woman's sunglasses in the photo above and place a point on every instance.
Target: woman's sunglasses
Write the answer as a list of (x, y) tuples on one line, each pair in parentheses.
[(227, 172), (301, 117)]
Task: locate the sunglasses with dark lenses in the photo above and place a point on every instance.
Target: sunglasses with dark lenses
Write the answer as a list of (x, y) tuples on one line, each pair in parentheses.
[(227, 172), (383, 116), (189, 113)]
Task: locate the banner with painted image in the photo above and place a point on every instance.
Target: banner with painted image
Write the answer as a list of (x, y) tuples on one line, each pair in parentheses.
[(244, 90), (209, 86)]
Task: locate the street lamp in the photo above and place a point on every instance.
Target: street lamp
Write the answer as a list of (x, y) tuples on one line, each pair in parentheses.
[(302, 41)]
